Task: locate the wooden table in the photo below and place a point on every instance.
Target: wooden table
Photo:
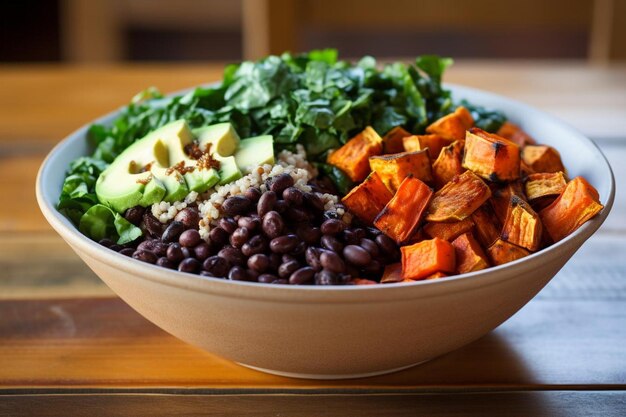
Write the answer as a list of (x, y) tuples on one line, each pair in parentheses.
[(68, 346)]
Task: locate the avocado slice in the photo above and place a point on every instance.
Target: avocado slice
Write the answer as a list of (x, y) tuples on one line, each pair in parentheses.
[(222, 137), (255, 151), (229, 171)]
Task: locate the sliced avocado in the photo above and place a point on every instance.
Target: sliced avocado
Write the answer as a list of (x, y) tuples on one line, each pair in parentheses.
[(229, 171), (222, 137), (255, 151)]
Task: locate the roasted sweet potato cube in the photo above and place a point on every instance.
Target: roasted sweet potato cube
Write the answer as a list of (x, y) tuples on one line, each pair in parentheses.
[(515, 134), (426, 258), (368, 198), (404, 212), (544, 184), (490, 156), (392, 273), (353, 157), (434, 143), (458, 199), (502, 252), (470, 256), (542, 158), (436, 275), (392, 141), (486, 225), (453, 125), (449, 231), (449, 164), (394, 168), (578, 203), (501, 198), (522, 226)]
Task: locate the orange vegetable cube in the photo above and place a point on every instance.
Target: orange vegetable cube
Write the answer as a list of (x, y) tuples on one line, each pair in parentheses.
[(501, 198), (368, 198), (542, 158), (515, 134), (392, 273), (490, 156), (458, 199), (449, 163), (486, 225), (392, 141), (502, 252), (453, 125), (522, 225), (578, 203), (394, 168), (426, 258), (449, 231), (403, 213), (436, 275), (544, 184), (353, 157), (434, 144), (470, 256)]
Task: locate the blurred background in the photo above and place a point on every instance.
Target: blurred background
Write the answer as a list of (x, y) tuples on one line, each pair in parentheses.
[(97, 31)]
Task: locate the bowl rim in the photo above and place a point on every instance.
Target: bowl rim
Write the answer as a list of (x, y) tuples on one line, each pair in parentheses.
[(314, 293)]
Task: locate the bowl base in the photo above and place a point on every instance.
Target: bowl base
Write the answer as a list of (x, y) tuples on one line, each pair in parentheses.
[(331, 376)]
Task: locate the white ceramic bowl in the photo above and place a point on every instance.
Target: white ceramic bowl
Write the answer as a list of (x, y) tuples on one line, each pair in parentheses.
[(336, 332)]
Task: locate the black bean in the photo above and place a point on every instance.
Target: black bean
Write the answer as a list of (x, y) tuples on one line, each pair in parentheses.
[(272, 224), (370, 246), (299, 249), (310, 235), (202, 251), (313, 200), (166, 263), (216, 265), (372, 231), (145, 256), (280, 281), (232, 255), (189, 216), (281, 206), (298, 215), (259, 262), (350, 237), (331, 243), (148, 244), (294, 196), (237, 204), (237, 273), (275, 261), (253, 194), (151, 225), (386, 244), (189, 238), (187, 252), (359, 232), (252, 275), (116, 247), (332, 262), (229, 225), (266, 203), (173, 231), (134, 215), (356, 255), (325, 277), (107, 243), (279, 183), (352, 271), (332, 227), (249, 222), (284, 244), (331, 214), (207, 274), (256, 244), (127, 251), (288, 258), (288, 268), (190, 265), (373, 268), (218, 236), (239, 237), (302, 276), (267, 278), (312, 257)]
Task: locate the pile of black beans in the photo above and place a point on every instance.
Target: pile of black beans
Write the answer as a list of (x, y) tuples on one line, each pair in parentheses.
[(280, 236)]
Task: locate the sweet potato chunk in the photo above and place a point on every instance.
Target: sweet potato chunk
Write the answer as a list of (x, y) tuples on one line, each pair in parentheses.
[(486, 225), (368, 198), (501, 198), (353, 157), (470, 256), (434, 143), (542, 158), (502, 252), (403, 213), (544, 184), (394, 168), (515, 134), (522, 226), (453, 125), (392, 141), (458, 199), (392, 273), (449, 231), (436, 275), (426, 258), (490, 156), (449, 164), (578, 203)]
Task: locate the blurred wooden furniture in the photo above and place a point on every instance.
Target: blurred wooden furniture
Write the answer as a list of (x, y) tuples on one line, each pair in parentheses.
[(68, 346)]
